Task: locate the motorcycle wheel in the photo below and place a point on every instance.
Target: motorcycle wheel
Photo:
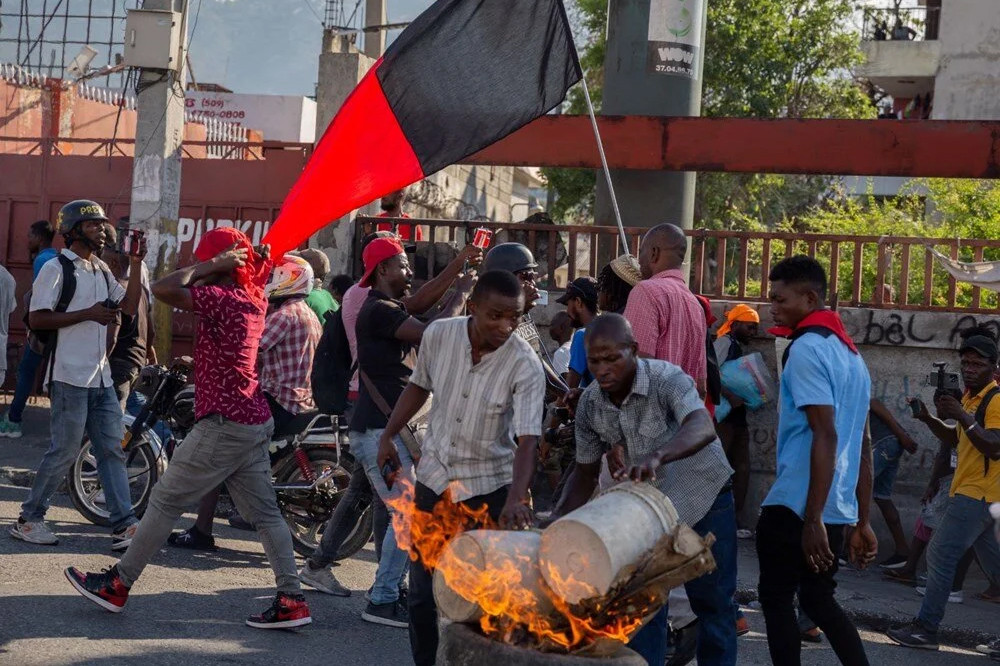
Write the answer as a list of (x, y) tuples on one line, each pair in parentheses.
[(307, 512), (85, 488)]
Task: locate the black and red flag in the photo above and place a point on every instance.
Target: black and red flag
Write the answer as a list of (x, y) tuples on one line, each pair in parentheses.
[(463, 75)]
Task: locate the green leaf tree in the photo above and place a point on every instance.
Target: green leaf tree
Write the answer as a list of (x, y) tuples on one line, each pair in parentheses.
[(763, 58)]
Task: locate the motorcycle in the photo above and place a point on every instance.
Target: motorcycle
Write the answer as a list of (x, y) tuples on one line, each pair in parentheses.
[(310, 470)]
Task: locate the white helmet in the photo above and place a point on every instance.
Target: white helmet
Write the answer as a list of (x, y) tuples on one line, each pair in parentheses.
[(293, 276)]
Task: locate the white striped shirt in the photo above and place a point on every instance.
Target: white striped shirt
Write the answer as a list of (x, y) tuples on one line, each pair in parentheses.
[(478, 409)]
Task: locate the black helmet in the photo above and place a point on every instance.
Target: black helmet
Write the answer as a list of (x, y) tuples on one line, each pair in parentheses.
[(511, 257), (78, 211)]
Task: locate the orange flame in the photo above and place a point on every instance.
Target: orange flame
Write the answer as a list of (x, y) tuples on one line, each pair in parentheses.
[(517, 608)]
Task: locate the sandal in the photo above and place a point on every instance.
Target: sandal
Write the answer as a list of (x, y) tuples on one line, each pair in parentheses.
[(192, 539)]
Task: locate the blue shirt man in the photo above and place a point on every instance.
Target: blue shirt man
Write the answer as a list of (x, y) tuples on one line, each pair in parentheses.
[(820, 371), (824, 474), (44, 256)]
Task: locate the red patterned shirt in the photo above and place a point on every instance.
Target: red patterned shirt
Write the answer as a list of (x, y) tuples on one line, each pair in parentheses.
[(287, 348), (230, 324), (669, 323)]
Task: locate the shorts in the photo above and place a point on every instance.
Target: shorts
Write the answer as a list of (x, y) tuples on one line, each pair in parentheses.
[(886, 454)]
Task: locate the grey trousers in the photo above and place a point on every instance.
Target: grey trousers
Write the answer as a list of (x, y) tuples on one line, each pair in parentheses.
[(217, 450)]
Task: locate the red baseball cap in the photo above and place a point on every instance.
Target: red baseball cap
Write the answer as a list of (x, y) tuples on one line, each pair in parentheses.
[(375, 253)]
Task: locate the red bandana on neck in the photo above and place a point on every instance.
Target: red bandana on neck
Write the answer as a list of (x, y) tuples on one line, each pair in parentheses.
[(827, 319)]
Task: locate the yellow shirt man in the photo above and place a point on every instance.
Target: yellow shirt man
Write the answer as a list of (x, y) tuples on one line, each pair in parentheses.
[(974, 477)]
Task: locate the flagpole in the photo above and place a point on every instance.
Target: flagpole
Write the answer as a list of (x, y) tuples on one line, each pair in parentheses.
[(604, 164)]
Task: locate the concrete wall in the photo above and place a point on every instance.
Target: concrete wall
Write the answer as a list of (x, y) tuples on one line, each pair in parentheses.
[(969, 70), (900, 348)]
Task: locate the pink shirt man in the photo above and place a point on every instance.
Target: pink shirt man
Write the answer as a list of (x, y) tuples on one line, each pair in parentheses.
[(669, 323), (349, 310)]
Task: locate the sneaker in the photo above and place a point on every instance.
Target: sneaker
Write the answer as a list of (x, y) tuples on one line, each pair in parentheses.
[(105, 589), (322, 580), (682, 644), (33, 532), (990, 649), (193, 539), (403, 594), (915, 636), (392, 614), (894, 562), (8, 428), (287, 612), (954, 597), (123, 539)]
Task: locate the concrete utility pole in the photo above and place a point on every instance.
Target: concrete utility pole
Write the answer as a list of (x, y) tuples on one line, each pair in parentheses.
[(156, 173), (341, 67), (653, 66), (375, 15)]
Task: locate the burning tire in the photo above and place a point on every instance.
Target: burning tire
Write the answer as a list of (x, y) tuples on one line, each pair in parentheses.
[(462, 645)]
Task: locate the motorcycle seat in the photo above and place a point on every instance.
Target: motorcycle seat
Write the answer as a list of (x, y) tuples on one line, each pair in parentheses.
[(299, 423)]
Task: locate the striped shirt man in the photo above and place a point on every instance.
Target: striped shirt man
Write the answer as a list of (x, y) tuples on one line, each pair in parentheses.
[(478, 410)]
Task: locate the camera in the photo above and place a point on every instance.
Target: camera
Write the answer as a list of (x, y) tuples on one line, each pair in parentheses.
[(130, 240), (944, 383)]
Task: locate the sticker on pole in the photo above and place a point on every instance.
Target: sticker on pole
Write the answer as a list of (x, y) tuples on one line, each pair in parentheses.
[(675, 34)]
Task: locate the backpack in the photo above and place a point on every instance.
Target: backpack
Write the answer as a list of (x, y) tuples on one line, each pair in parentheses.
[(332, 367), (66, 293)]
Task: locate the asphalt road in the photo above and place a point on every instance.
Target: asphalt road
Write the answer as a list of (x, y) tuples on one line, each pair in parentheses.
[(189, 609)]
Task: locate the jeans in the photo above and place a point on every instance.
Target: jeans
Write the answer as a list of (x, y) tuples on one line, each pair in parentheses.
[(217, 450), (75, 411), (423, 609), (783, 572), (357, 498), (711, 596), (967, 523), (26, 373), (393, 560)]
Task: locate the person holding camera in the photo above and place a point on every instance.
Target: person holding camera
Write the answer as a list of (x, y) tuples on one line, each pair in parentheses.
[(976, 484), (74, 299), (132, 340)]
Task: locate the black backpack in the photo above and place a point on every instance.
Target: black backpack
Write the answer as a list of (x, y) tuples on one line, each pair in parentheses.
[(332, 367), (47, 338)]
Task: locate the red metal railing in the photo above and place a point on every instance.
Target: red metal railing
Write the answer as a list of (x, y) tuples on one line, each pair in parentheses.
[(871, 271)]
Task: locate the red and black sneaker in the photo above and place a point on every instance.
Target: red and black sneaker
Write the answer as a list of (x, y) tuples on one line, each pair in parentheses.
[(287, 612), (105, 589)]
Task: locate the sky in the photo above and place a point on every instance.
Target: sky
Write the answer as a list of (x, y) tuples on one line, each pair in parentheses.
[(265, 46)]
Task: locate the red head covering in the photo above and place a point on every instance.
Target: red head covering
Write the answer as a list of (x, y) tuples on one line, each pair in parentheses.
[(375, 253), (251, 276)]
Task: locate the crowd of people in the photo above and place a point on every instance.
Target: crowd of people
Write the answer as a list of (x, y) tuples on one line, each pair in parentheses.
[(452, 392)]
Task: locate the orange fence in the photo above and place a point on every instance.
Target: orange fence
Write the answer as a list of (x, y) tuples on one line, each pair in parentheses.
[(871, 271)]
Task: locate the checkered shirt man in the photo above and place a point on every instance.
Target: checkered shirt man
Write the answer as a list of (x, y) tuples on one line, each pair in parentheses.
[(668, 323), (287, 348), (662, 396)]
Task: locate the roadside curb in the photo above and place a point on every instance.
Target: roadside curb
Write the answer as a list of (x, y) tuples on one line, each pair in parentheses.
[(881, 622)]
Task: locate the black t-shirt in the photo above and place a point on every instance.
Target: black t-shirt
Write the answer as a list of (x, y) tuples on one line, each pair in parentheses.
[(130, 346), (387, 361)]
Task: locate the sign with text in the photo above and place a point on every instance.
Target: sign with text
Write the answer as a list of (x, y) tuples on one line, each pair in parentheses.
[(675, 34)]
